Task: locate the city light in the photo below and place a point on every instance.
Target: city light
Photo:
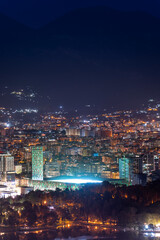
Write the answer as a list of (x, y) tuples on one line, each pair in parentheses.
[(146, 226), (7, 125), (78, 181)]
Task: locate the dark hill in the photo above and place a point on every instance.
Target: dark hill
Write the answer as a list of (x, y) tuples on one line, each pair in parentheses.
[(37, 13), (87, 54), (102, 20)]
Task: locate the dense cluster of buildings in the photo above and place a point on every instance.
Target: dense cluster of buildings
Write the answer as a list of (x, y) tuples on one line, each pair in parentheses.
[(122, 147)]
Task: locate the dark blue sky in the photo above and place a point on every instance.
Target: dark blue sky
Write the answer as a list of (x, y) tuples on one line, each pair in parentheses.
[(36, 13), (108, 56)]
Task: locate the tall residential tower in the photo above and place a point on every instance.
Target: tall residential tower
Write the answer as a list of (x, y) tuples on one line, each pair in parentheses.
[(37, 163), (7, 169)]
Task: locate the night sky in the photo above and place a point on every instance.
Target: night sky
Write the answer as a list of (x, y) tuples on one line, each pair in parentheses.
[(82, 52), (36, 13)]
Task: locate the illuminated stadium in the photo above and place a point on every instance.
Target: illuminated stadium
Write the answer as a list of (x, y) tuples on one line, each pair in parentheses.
[(61, 182), (74, 180)]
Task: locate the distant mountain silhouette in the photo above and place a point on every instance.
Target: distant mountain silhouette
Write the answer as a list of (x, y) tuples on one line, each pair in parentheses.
[(12, 30), (36, 13), (85, 57)]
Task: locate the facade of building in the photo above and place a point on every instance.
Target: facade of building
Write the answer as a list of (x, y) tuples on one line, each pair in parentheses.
[(125, 169), (150, 163), (37, 163), (51, 169), (7, 169)]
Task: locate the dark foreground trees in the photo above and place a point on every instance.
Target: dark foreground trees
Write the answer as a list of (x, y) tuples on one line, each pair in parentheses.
[(103, 203)]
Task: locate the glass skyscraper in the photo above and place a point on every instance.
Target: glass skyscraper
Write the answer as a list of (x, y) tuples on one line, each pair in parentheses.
[(125, 170), (37, 163)]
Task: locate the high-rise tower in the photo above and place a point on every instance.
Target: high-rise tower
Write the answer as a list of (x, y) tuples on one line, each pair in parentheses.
[(37, 163), (7, 169), (125, 169)]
